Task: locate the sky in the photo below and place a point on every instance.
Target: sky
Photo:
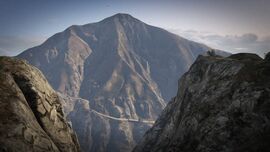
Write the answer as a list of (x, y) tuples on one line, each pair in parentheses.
[(230, 25)]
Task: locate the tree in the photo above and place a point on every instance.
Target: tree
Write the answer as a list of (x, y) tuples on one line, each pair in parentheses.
[(211, 52)]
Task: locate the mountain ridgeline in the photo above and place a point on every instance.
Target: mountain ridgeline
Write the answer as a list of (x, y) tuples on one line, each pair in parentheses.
[(116, 76)]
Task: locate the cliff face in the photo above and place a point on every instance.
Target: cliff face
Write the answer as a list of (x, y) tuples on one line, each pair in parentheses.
[(125, 68), (222, 104), (31, 113)]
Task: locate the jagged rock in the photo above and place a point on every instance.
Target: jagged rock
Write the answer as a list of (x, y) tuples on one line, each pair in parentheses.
[(222, 105), (31, 117)]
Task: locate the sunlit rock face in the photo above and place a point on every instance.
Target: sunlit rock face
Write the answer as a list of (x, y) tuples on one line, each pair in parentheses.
[(31, 117), (222, 105), (123, 67)]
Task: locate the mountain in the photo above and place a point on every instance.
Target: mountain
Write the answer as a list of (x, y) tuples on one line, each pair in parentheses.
[(124, 68), (222, 104), (31, 117)]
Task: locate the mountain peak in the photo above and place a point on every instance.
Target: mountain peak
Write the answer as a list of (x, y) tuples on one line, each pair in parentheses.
[(127, 70), (122, 17)]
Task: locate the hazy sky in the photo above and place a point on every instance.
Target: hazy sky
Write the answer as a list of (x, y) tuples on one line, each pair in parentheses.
[(232, 25)]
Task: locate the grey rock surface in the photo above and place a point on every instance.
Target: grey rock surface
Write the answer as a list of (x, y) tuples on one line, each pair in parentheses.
[(122, 66), (31, 117), (222, 105)]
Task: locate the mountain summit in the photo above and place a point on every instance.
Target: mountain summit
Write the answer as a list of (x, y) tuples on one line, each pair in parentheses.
[(125, 68), (123, 18)]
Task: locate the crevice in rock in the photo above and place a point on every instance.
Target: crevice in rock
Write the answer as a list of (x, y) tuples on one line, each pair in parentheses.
[(30, 95)]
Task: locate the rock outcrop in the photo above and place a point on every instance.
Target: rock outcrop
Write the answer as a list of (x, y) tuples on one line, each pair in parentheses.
[(125, 68), (222, 105), (31, 117)]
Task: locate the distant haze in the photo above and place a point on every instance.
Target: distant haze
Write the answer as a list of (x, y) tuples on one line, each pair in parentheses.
[(235, 26)]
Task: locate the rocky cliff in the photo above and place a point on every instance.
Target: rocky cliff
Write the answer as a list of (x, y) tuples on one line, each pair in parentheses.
[(31, 117), (222, 105), (124, 68)]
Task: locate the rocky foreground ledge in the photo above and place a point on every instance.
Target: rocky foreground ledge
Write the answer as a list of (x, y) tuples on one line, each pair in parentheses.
[(222, 104), (31, 117)]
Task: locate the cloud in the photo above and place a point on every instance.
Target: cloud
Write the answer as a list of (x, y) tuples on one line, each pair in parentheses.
[(249, 38), (248, 42), (13, 45)]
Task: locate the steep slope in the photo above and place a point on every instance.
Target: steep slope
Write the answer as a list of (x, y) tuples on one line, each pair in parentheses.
[(222, 104), (122, 66), (31, 114)]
